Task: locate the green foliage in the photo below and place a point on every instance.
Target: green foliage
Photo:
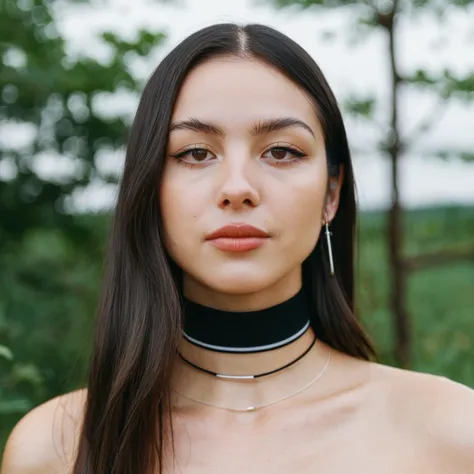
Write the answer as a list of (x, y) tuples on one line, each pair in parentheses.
[(314, 3), (360, 107), (48, 292), (6, 353), (446, 84), (143, 46), (440, 300), (450, 154), (386, 5), (372, 14), (419, 4), (54, 93)]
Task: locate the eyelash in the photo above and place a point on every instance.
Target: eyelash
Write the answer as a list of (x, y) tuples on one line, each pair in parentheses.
[(298, 154)]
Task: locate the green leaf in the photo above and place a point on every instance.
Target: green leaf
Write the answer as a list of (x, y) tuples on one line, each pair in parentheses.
[(467, 156), (360, 107), (9, 407), (315, 3), (6, 353), (27, 373)]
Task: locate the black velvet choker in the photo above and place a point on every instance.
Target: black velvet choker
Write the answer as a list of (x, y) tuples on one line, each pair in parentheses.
[(246, 331)]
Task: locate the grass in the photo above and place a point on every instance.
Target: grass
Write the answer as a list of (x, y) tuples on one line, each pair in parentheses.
[(440, 300)]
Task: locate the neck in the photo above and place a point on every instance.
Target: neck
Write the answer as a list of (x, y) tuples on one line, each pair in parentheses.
[(254, 326), (250, 331)]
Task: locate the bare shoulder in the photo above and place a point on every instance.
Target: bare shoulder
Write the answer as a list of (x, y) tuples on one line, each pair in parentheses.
[(437, 411), (45, 439)]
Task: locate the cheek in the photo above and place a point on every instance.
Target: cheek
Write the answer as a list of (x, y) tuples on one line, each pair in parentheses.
[(180, 207), (302, 208)]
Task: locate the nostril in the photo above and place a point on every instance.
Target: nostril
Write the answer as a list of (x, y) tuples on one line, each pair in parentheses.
[(244, 202)]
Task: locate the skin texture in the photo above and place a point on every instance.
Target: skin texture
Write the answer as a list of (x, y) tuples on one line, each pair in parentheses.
[(240, 180), (240, 176), (360, 416), (391, 421)]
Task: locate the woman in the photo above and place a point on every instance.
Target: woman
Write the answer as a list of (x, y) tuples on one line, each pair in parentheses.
[(226, 340)]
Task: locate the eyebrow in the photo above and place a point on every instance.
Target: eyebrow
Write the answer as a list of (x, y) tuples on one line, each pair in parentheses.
[(260, 128)]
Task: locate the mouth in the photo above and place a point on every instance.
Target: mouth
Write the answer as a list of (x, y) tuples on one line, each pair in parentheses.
[(238, 238)]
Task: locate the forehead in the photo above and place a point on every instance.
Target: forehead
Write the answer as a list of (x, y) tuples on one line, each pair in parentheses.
[(241, 90)]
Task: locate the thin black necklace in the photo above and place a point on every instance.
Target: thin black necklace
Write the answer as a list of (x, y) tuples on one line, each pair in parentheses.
[(247, 377)]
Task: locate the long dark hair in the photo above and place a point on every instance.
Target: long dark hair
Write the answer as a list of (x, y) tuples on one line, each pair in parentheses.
[(127, 423)]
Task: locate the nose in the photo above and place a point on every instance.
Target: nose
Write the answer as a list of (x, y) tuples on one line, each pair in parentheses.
[(236, 190)]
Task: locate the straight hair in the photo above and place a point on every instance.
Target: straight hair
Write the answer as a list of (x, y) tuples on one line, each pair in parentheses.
[(127, 416)]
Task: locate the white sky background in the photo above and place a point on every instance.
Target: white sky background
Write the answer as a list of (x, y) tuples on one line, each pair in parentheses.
[(360, 69)]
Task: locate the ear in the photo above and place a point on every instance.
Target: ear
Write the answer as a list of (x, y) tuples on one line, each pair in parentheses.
[(332, 196)]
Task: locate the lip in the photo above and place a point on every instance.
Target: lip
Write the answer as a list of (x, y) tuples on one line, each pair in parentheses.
[(237, 231), (238, 238)]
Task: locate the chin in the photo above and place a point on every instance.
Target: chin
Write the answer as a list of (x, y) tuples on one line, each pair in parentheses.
[(226, 279), (237, 286)]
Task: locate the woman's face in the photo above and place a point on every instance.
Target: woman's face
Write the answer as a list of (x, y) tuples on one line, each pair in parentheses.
[(245, 147)]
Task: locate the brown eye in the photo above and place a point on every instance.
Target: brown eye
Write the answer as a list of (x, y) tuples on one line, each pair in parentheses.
[(199, 154), (278, 153), (194, 156), (283, 154)]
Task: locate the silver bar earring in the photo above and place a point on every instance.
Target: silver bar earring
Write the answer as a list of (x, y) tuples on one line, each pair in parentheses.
[(328, 240)]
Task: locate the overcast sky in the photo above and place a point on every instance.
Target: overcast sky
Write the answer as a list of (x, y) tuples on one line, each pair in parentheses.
[(349, 68)]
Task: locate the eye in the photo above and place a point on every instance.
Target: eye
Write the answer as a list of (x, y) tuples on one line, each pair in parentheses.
[(194, 155), (283, 154)]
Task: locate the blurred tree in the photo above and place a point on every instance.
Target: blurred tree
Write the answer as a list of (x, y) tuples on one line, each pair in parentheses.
[(52, 96), (50, 258), (385, 15)]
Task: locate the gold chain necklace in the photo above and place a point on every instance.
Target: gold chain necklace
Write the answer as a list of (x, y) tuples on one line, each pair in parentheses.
[(258, 407)]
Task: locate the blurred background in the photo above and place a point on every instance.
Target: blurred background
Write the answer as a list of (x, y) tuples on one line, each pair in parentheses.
[(70, 79)]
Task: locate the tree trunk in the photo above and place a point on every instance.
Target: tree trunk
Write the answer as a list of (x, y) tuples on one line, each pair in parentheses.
[(401, 322)]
